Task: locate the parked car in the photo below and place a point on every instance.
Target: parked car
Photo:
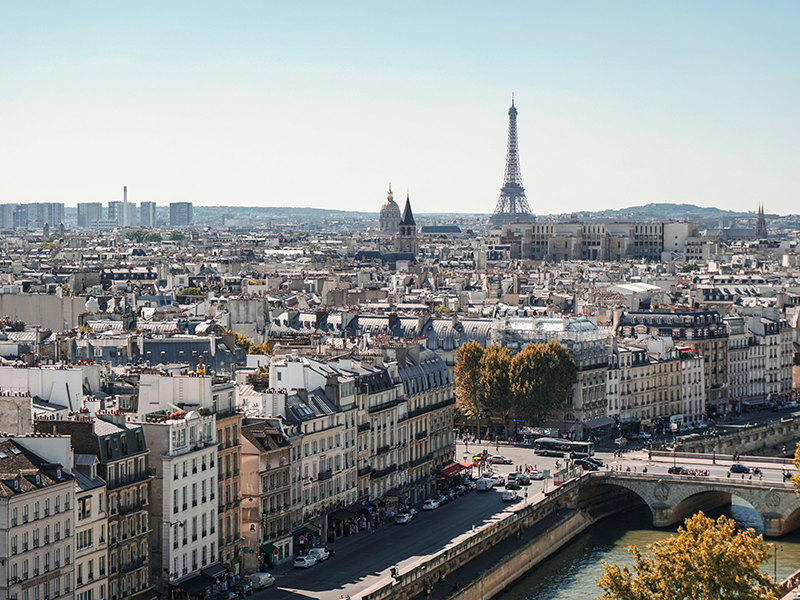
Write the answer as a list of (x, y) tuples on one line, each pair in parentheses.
[(501, 460), (402, 518), (319, 554), (430, 504), (470, 484), (453, 494), (739, 468), (304, 562), (443, 499), (675, 470), (509, 496), (229, 595), (260, 581), (483, 484)]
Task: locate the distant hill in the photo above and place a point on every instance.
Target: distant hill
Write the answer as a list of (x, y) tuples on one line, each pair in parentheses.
[(666, 210)]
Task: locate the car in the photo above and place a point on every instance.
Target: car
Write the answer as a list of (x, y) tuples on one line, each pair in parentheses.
[(229, 595), (304, 562), (500, 460), (498, 479), (513, 475), (739, 468), (244, 589), (443, 499), (430, 504), (454, 493), (512, 484), (510, 496), (402, 518), (537, 475), (676, 470), (524, 480), (260, 581), (463, 490), (587, 465), (470, 484), (595, 460), (484, 483), (320, 554)]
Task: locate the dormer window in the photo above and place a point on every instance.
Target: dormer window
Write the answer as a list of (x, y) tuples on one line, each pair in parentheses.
[(38, 479), (58, 473)]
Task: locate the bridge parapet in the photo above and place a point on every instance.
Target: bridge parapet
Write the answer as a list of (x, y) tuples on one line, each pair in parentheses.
[(671, 498)]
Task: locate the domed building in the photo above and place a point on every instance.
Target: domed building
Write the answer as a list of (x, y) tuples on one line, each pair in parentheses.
[(389, 221)]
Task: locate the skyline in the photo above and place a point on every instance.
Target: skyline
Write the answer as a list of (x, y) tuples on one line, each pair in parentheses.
[(318, 106)]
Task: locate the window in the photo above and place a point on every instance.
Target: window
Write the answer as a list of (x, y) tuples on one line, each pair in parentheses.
[(14, 517), (25, 514)]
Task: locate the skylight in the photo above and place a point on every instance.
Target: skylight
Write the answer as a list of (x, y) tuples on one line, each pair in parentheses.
[(16, 450)]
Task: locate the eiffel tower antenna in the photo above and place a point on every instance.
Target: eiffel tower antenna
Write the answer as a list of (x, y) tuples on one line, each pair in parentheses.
[(512, 204)]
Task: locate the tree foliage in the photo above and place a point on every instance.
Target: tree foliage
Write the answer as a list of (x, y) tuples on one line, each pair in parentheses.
[(494, 385), (468, 377), (249, 345), (177, 236), (708, 560), (142, 235), (191, 291), (541, 378), (796, 476)]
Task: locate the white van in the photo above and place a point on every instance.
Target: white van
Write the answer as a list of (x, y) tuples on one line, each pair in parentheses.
[(483, 484), (259, 581), (319, 553)]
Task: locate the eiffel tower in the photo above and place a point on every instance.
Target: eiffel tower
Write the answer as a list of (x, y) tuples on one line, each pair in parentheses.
[(512, 204)]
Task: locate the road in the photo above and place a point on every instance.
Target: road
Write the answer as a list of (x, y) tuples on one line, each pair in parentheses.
[(362, 561)]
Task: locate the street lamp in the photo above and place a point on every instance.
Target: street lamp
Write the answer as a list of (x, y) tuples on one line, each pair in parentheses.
[(775, 574)]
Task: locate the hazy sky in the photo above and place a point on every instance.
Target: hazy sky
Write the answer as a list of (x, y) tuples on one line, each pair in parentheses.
[(324, 103)]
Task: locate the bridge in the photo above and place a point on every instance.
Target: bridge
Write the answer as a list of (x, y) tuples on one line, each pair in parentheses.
[(673, 498)]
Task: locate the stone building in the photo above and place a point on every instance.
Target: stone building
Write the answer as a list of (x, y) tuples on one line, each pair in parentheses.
[(389, 219)]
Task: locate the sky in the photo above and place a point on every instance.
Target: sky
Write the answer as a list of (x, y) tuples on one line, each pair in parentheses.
[(323, 104)]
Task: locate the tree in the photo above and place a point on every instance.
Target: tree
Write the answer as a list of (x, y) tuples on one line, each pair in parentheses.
[(708, 560), (541, 378), (242, 340), (191, 291), (142, 235), (177, 236), (468, 377), (796, 476), (494, 386)]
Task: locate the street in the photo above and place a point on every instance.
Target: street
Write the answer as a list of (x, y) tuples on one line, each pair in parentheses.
[(362, 561)]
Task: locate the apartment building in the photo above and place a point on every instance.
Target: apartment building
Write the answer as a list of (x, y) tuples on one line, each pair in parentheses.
[(183, 509), (702, 331), (692, 387), (267, 492), (123, 456), (37, 497), (739, 341), (229, 487), (91, 530)]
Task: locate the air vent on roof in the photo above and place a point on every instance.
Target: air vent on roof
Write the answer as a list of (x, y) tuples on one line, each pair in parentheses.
[(16, 450), (3, 455)]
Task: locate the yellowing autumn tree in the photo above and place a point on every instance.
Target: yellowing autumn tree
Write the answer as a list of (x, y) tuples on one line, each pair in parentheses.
[(468, 378), (708, 560)]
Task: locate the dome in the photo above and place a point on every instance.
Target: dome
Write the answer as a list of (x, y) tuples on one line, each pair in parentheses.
[(389, 209)]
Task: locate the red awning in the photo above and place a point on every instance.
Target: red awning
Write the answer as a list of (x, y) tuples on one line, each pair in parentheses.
[(454, 468)]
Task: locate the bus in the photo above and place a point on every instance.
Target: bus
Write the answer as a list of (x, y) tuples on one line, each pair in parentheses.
[(563, 448)]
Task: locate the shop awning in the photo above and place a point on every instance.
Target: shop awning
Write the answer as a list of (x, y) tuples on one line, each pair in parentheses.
[(600, 422), (311, 528), (214, 571), (754, 401), (341, 514), (268, 549), (454, 468), (195, 584)]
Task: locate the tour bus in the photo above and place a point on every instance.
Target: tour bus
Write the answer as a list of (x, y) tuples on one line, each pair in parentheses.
[(557, 447)]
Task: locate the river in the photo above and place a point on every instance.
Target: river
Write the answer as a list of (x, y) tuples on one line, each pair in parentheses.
[(572, 573)]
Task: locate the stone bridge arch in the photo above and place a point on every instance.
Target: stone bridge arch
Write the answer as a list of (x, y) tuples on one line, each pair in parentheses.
[(672, 499)]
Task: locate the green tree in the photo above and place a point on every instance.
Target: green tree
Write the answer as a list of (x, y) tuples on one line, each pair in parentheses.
[(708, 560), (495, 384), (796, 476), (541, 378), (468, 378), (242, 341), (688, 268), (177, 236), (191, 291)]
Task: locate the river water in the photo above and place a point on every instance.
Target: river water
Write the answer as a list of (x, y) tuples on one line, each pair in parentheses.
[(572, 573)]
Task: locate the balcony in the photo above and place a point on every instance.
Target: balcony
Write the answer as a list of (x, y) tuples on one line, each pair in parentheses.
[(323, 475), (123, 481), (364, 427), (383, 472), (382, 450), (431, 407), (420, 435), (127, 509), (385, 405), (364, 471), (421, 460), (132, 566)]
